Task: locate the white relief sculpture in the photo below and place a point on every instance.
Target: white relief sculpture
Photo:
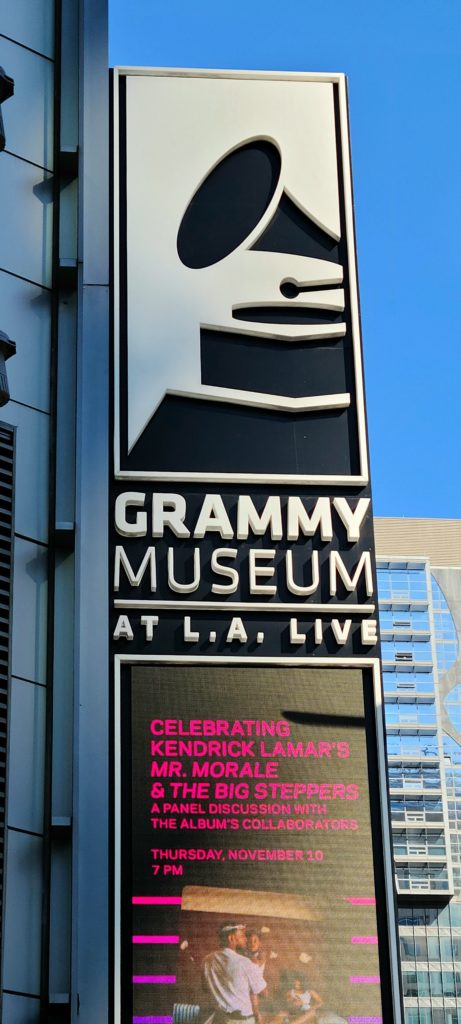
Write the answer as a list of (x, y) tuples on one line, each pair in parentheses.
[(177, 133)]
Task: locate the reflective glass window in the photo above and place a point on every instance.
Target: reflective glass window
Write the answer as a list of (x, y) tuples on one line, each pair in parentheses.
[(448, 983), (433, 948), (446, 949), (435, 982), (420, 948), (426, 986), (407, 947), (453, 706), (455, 915), (444, 916), (446, 640), (410, 984)]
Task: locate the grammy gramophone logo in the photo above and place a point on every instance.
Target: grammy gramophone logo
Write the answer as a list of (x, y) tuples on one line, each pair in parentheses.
[(233, 234)]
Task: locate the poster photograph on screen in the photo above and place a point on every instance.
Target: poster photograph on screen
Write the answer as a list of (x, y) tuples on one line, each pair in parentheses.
[(247, 871)]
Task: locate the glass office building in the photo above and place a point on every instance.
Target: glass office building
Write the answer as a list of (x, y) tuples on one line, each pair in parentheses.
[(419, 587)]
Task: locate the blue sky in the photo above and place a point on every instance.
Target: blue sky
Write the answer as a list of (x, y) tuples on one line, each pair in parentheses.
[(403, 61)]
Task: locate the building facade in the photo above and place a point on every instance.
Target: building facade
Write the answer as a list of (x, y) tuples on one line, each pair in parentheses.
[(54, 457), (419, 586), (53, 463)]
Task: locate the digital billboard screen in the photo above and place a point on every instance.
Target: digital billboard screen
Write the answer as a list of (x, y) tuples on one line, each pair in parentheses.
[(248, 877)]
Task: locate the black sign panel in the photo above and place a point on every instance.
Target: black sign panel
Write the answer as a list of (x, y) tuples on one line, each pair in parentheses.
[(247, 796), (246, 776)]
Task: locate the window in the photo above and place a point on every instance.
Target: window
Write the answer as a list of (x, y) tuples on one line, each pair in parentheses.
[(406, 650), (434, 979), (410, 984), (413, 776), (433, 947), (409, 713), (403, 584), (446, 640), (455, 916), (446, 948), (409, 843), (416, 808), (391, 619), (407, 947), (453, 705), (421, 682)]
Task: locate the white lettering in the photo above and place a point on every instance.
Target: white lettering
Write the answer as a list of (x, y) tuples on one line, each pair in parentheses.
[(236, 632), (149, 621), (341, 633), (369, 632), (256, 571), (295, 588), (295, 637), (183, 588), (224, 570), (352, 518), (190, 636), (298, 519), (169, 510), (249, 519), (337, 568), (123, 630), (135, 578), (135, 499), (213, 518)]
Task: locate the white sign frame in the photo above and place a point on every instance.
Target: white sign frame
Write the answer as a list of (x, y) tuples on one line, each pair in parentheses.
[(362, 477)]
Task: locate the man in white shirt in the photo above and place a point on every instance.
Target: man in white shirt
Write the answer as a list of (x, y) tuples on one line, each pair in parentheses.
[(232, 980)]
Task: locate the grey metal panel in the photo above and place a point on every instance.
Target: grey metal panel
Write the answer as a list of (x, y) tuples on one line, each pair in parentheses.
[(26, 773), (20, 1010), (94, 104), (68, 221), (69, 82), (65, 428), (90, 893), (26, 235), (60, 910), (23, 913), (29, 611), (25, 315), (63, 686), (29, 116), (90, 898), (32, 457), (30, 23), (7, 449)]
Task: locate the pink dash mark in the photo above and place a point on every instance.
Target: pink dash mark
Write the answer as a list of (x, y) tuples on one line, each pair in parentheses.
[(162, 901), (154, 979), (156, 939), (157, 1020), (364, 940), (153, 1020), (365, 979), (365, 1020), (360, 901)]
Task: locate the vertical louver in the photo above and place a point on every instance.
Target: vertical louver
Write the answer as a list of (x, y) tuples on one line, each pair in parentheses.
[(6, 560)]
